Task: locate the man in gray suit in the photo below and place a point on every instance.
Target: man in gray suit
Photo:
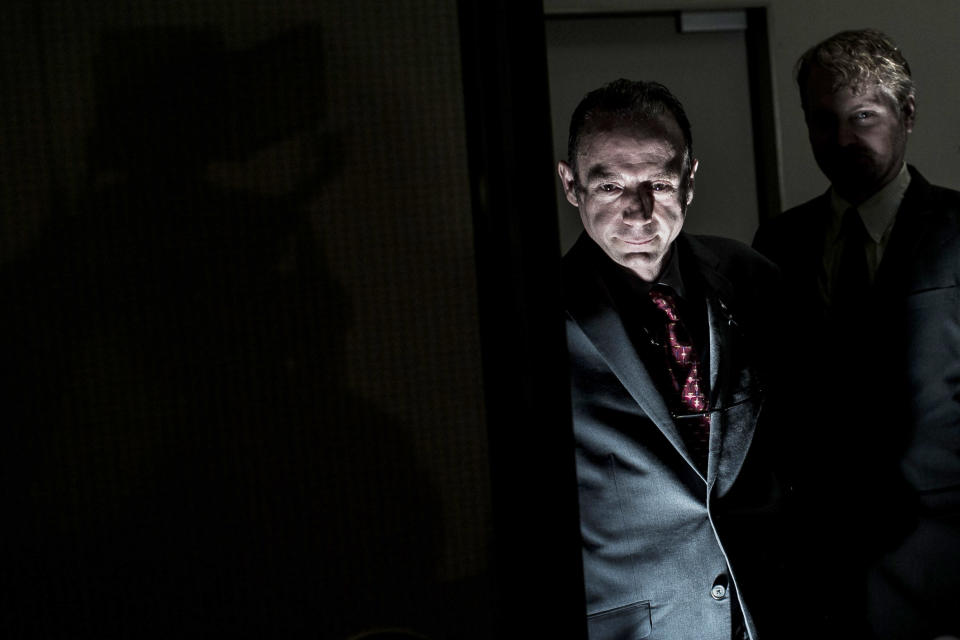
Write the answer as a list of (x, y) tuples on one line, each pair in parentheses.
[(665, 335), (872, 267)]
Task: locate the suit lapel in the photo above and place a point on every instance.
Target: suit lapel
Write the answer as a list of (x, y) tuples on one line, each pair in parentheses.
[(912, 225), (732, 424), (591, 306)]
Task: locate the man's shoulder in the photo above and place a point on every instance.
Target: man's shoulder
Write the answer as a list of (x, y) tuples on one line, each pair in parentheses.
[(730, 269), (744, 280), (719, 245), (947, 196), (728, 256), (926, 195), (818, 203), (794, 232), (581, 256), (581, 271), (795, 218)]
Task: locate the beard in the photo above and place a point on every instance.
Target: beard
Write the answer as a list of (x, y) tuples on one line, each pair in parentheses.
[(853, 169)]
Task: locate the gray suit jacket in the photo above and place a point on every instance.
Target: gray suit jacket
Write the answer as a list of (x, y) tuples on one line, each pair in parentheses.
[(666, 549), (881, 517)]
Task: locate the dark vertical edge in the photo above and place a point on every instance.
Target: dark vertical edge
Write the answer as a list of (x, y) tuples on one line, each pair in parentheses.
[(55, 169), (537, 564), (763, 113)]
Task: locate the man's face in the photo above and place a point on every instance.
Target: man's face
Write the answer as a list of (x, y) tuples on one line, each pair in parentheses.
[(629, 191), (858, 139)]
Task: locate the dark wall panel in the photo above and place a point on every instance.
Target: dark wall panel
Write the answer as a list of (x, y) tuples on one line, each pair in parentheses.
[(238, 307)]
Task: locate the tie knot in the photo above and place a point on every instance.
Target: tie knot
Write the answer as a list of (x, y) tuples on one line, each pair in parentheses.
[(664, 301)]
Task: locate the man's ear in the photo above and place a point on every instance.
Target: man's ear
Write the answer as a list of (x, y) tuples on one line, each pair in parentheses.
[(910, 112), (693, 171), (569, 181)]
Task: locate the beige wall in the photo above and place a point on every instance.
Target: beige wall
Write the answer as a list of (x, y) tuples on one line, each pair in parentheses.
[(927, 32)]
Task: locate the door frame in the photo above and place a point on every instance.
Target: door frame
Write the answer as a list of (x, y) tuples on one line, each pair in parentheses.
[(763, 114), (538, 571)]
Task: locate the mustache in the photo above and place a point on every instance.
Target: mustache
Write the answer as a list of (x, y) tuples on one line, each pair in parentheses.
[(853, 153)]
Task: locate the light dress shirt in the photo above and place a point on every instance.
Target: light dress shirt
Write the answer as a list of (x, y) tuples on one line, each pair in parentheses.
[(878, 213)]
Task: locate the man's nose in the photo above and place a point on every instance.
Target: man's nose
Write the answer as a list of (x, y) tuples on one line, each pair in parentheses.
[(639, 204), (845, 135)]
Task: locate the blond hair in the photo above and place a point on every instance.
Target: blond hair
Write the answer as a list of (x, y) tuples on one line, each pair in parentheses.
[(859, 59)]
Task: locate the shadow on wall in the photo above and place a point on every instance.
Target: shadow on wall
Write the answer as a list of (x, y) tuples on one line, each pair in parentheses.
[(180, 456)]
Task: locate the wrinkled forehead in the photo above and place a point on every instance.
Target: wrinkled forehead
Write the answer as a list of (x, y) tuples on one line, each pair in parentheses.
[(661, 130)]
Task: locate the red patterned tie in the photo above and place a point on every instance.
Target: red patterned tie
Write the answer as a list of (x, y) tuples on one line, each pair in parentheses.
[(684, 368)]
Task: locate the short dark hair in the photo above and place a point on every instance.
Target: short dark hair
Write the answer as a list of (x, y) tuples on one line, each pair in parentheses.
[(628, 101), (857, 59)]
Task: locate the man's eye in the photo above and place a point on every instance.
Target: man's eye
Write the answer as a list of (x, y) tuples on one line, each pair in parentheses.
[(608, 188), (661, 186), (863, 115)]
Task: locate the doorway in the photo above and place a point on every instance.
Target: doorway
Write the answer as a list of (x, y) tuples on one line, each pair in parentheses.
[(714, 63)]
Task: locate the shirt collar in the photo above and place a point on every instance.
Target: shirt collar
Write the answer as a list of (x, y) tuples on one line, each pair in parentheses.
[(879, 210), (670, 276)]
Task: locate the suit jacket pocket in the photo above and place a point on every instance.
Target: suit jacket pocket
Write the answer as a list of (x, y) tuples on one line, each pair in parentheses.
[(623, 623)]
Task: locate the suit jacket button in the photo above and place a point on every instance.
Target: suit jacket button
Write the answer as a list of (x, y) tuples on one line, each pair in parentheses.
[(718, 592)]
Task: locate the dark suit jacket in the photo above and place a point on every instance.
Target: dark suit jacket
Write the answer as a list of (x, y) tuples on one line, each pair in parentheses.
[(875, 408), (658, 537)]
